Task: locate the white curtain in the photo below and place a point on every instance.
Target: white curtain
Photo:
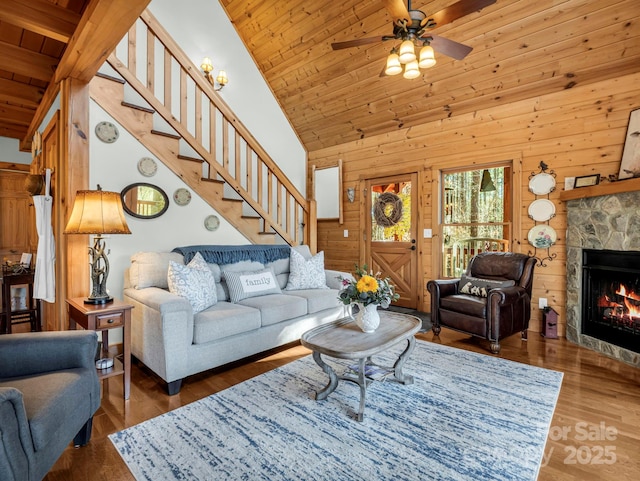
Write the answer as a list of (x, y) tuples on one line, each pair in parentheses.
[(44, 286)]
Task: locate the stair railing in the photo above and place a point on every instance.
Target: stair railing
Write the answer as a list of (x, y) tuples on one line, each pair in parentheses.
[(159, 70)]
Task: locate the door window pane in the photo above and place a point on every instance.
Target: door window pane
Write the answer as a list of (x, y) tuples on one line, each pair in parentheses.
[(391, 212)]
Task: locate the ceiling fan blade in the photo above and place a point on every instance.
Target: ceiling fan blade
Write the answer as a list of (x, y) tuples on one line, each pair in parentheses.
[(457, 10), (449, 47), (356, 42), (397, 9)]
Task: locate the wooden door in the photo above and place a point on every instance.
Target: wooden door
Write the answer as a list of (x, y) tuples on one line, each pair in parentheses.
[(391, 229), (17, 217)]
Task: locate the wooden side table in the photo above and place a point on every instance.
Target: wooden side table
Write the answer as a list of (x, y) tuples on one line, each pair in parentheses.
[(30, 314), (103, 317)]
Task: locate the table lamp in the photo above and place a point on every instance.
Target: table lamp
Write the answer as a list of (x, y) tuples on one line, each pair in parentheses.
[(97, 212)]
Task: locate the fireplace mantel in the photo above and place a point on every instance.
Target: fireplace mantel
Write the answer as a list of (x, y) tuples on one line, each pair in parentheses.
[(608, 188)]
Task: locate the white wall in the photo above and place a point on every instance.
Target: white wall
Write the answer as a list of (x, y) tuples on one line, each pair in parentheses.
[(10, 152), (202, 29)]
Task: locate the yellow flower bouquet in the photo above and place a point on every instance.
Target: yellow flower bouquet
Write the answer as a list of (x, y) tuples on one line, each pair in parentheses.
[(367, 288)]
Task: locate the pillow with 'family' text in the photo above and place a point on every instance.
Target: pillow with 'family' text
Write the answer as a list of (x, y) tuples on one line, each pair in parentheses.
[(306, 273), (245, 284), (195, 282), (480, 287)]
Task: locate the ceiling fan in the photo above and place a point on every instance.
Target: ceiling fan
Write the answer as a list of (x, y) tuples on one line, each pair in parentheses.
[(410, 27)]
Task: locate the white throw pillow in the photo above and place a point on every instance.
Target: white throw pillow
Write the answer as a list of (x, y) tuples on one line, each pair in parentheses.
[(243, 285), (306, 274), (194, 281)]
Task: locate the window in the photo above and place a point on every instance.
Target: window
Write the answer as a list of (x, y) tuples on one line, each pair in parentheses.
[(476, 215)]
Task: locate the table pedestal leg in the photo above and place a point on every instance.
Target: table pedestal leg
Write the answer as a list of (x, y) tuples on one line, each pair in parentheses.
[(398, 375), (333, 378)]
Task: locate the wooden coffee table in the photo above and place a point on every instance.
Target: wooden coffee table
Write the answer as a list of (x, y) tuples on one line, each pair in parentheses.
[(343, 339)]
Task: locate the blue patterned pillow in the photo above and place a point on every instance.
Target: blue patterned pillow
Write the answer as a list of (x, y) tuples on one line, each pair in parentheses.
[(194, 281), (245, 284), (306, 274)]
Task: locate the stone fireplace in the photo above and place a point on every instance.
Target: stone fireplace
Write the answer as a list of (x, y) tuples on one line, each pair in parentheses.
[(600, 227)]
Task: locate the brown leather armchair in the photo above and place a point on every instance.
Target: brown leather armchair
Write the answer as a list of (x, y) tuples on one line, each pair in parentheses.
[(505, 279)]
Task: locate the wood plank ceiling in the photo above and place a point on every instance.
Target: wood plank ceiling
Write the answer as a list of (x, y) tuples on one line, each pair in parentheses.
[(521, 49), (33, 37)]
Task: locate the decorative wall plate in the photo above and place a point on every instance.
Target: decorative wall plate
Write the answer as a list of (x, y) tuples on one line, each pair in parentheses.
[(182, 196), (542, 210), (542, 183), (107, 132), (542, 236), (147, 166), (212, 222)]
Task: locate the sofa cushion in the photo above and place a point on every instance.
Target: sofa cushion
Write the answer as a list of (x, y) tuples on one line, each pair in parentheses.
[(318, 299), (246, 284), (223, 320), (465, 304), (276, 308), (306, 274), (480, 287), (194, 281), (149, 269)]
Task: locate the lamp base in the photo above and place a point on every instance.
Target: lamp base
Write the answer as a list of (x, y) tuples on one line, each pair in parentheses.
[(98, 300)]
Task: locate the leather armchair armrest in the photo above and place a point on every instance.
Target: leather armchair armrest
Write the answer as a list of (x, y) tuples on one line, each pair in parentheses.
[(443, 287), (504, 296)]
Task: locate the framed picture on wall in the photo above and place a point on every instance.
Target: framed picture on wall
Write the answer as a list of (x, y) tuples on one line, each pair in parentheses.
[(630, 164)]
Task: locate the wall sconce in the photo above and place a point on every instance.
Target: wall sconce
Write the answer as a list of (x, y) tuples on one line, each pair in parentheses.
[(351, 194), (221, 79)]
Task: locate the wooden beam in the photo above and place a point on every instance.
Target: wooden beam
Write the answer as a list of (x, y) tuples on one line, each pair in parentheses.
[(40, 16), (26, 62), (19, 93), (12, 130), (102, 26), (14, 167)]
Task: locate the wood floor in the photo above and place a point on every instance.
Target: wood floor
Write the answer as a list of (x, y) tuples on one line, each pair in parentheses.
[(595, 433)]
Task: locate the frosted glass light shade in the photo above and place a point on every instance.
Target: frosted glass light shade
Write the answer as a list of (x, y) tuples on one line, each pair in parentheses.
[(393, 65), (407, 52), (427, 57), (207, 65), (411, 70), (222, 78)]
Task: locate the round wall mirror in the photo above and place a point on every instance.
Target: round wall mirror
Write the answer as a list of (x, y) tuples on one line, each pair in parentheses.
[(144, 201)]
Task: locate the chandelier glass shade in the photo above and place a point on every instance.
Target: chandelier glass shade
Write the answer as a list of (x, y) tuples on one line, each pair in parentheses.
[(407, 52), (427, 57), (411, 70), (393, 65)]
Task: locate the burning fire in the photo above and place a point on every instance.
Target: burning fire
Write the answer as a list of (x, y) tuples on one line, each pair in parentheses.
[(633, 307)]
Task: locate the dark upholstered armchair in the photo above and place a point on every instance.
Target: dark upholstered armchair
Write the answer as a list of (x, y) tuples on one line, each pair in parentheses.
[(491, 300), (49, 391)]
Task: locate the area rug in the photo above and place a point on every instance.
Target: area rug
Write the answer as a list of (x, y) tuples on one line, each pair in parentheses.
[(467, 417)]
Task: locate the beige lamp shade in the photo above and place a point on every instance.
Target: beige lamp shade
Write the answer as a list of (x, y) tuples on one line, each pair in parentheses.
[(97, 212)]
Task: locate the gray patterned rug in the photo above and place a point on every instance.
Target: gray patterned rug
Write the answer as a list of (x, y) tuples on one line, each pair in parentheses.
[(467, 417)]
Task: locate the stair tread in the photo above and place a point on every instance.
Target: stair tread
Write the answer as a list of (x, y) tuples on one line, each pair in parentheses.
[(215, 181), (192, 159), (165, 134), (232, 200), (110, 77), (266, 233), (138, 107)]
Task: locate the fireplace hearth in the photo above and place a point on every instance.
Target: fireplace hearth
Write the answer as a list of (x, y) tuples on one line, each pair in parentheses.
[(611, 297), (603, 275)]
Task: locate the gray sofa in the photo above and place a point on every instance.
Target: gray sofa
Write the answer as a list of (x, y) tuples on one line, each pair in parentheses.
[(49, 391), (174, 342)]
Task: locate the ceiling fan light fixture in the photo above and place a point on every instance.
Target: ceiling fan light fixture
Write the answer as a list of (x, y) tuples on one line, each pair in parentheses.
[(411, 70), (427, 57), (407, 52), (393, 65)]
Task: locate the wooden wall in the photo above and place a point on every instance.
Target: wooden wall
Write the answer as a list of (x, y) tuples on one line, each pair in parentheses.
[(578, 131)]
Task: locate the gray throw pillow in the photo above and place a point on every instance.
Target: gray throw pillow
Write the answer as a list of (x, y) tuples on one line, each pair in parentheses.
[(245, 284), (480, 287)]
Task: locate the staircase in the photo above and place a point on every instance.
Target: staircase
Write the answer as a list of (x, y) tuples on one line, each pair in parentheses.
[(178, 116)]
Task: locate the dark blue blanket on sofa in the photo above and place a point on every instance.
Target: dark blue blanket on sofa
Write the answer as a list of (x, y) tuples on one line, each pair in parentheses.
[(231, 254)]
